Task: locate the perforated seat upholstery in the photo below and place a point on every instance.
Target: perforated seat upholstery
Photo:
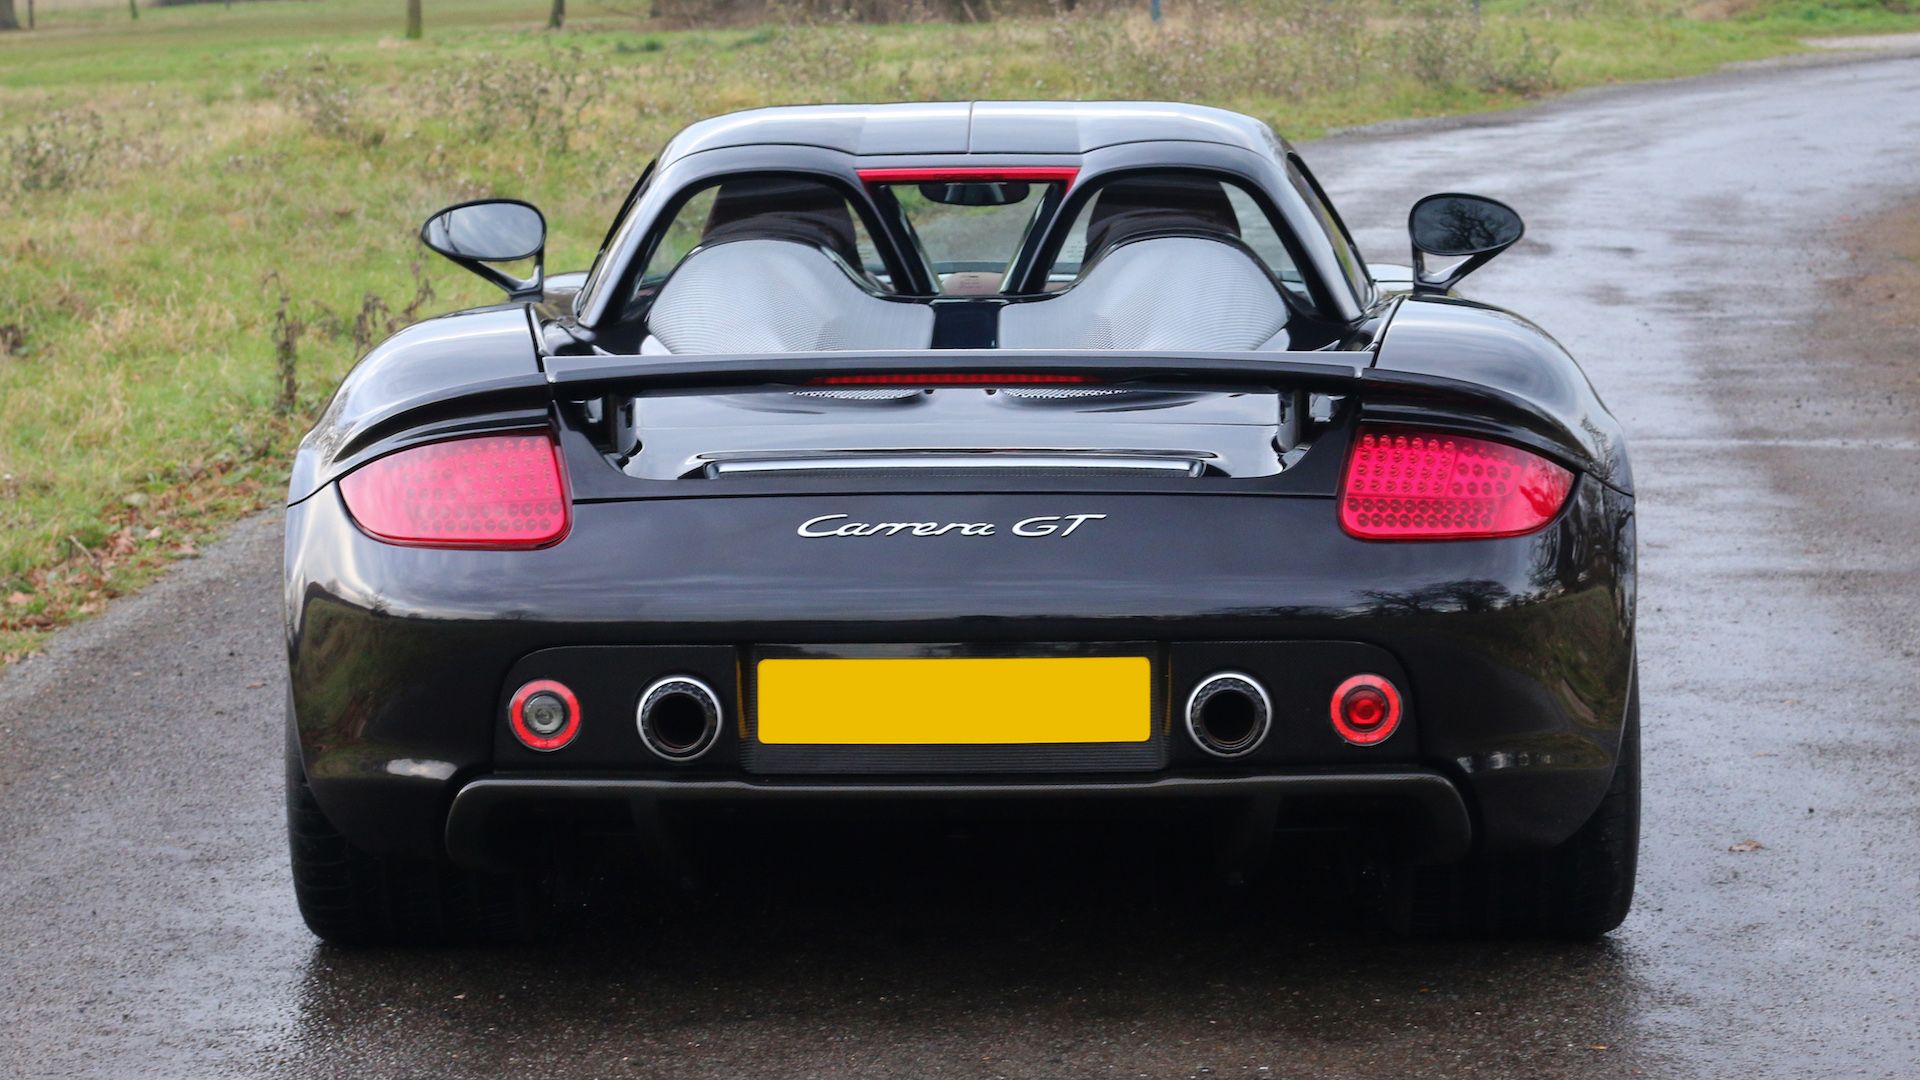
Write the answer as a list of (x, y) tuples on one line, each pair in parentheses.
[(1176, 292), (773, 296)]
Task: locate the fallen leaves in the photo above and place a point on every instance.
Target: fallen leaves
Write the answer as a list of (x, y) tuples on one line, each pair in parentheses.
[(1745, 846), (138, 535)]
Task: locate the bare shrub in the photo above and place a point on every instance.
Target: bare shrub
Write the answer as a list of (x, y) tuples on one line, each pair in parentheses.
[(1446, 44), (542, 96), (1524, 66), (287, 331), (832, 12), (322, 94), (376, 318), (57, 152), (1215, 50), (1205, 50)]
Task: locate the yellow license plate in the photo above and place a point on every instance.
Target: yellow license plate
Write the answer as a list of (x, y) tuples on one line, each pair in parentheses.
[(917, 701)]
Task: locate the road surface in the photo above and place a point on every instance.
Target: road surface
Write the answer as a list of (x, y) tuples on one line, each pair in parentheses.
[(1682, 240)]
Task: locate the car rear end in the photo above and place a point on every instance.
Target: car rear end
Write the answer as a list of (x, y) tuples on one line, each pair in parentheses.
[(1302, 593)]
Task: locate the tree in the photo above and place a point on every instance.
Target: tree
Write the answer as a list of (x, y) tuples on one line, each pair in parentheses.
[(413, 20), (133, 9), (559, 17), (8, 21)]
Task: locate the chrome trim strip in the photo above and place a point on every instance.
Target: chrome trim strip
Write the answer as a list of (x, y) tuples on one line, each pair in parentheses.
[(1187, 465)]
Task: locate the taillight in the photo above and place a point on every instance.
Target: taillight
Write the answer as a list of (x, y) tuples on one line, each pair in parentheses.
[(1404, 485), (488, 491)]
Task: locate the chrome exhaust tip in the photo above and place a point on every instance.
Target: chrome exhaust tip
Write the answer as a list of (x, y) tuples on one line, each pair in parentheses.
[(679, 718), (1228, 714)]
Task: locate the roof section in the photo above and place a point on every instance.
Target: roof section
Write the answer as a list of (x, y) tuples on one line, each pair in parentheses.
[(987, 127)]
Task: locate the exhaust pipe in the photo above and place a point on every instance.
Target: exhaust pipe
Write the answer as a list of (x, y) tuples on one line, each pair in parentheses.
[(1228, 714), (679, 718)]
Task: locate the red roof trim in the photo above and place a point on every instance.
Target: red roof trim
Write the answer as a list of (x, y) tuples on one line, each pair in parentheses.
[(1051, 174)]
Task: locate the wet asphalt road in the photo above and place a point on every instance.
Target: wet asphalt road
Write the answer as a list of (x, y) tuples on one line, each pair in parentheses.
[(1679, 239)]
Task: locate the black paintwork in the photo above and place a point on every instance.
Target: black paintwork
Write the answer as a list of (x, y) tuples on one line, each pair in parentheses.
[(1515, 654), (470, 370), (1447, 338)]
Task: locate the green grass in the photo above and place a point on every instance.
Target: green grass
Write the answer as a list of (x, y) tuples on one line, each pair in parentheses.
[(223, 154)]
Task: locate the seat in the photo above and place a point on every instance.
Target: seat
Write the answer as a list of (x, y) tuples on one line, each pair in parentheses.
[(1178, 293), (776, 296), (1165, 269), (776, 271)]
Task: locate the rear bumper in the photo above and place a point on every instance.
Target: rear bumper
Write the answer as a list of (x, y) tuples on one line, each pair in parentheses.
[(1431, 819), (1515, 654)]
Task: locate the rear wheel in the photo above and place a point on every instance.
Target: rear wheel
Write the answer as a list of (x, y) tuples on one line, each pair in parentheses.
[(352, 897), (1580, 889)]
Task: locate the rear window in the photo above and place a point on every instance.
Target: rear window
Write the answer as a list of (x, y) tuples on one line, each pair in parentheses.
[(763, 206), (1174, 202), (969, 233)]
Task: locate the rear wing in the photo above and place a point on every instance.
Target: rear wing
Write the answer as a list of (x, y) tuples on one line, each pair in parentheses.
[(602, 384), (588, 376), (1386, 395)]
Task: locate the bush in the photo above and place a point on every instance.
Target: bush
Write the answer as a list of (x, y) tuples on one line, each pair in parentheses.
[(541, 96), (1445, 44), (57, 152), (320, 93)]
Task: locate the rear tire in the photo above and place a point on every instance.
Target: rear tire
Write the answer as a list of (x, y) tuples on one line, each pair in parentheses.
[(351, 897), (1580, 889)]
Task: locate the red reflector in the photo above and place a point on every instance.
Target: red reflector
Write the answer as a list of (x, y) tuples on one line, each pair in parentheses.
[(965, 378), (1366, 709), (1424, 486), (490, 491), (544, 715), (1044, 174)]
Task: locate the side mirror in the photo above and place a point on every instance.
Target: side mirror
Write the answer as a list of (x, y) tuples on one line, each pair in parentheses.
[(1471, 228), (492, 231)]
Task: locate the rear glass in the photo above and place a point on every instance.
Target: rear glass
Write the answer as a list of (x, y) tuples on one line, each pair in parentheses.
[(968, 248), (764, 206), (1178, 202)]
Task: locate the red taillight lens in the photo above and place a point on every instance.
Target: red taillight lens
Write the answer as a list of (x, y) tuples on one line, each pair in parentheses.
[(490, 491), (1366, 709), (1404, 485)]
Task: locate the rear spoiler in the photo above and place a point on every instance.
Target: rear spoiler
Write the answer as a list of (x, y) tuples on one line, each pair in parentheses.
[(1389, 395), (590, 376)]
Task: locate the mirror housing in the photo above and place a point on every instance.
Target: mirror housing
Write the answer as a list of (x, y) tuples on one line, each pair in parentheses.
[(475, 234), (1453, 225)]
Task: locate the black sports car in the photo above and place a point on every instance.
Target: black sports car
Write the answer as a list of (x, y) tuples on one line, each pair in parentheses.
[(1050, 456)]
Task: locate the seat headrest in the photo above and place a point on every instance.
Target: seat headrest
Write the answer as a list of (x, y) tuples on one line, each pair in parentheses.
[(1159, 206), (782, 208)]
